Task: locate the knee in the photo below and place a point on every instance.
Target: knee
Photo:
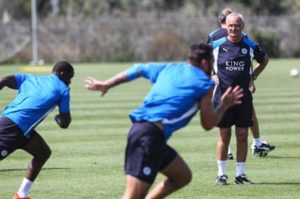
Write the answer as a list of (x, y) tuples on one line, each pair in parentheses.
[(48, 154), (242, 137), (43, 157), (184, 180)]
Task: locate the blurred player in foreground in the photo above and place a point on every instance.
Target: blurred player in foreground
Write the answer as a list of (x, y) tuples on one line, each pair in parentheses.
[(259, 146), (37, 97), (233, 66), (179, 90)]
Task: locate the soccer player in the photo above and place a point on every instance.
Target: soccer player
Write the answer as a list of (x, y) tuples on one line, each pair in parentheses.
[(259, 146), (179, 90), (37, 97), (233, 66)]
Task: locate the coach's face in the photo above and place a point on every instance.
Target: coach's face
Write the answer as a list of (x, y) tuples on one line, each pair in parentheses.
[(235, 27)]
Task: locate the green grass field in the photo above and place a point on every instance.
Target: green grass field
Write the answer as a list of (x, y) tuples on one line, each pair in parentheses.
[(87, 158)]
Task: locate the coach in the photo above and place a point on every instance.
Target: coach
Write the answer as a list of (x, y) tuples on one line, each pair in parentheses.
[(233, 66)]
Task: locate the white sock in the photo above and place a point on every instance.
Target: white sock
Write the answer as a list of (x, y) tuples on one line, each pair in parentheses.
[(257, 141), (25, 188), (240, 167), (221, 167), (229, 150)]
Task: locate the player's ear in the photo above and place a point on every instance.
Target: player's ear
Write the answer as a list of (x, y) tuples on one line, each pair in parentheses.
[(206, 66), (243, 25)]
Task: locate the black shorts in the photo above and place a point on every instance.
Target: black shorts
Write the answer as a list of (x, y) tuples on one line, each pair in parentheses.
[(11, 137), (238, 115), (147, 152)]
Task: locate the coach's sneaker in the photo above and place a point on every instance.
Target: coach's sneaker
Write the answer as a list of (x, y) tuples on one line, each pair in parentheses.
[(242, 179), (222, 180), (262, 150), (16, 196), (229, 156)]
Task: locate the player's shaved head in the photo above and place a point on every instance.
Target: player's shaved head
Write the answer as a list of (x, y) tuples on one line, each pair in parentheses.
[(64, 70)]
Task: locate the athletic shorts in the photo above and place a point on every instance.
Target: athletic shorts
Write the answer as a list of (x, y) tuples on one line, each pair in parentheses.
[(147, 152), (11, 137), (238, 115)]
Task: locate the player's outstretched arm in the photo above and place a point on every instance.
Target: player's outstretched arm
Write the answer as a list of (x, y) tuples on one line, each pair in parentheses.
[(210, 116), (9, 81), (103, 86)]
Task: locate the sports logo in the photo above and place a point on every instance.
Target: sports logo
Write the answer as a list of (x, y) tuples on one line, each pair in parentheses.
[(225, 49), (244, 51), (235, 65), (147, 171)]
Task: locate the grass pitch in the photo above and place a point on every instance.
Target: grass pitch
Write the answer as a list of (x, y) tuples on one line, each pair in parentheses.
[(87, 159)]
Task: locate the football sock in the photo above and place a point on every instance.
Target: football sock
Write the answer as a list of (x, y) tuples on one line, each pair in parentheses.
[(229, 150), (25, 188), (240, 167), (221, 167), (257, 141)]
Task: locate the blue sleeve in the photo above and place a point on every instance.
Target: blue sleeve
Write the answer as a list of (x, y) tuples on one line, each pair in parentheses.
[(64, 102), (259, 54), (149, 71), (205, 87), (20, 78), (218, 42)]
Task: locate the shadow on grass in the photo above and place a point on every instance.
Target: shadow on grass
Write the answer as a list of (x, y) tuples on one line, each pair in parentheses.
[(277, 183), (24, 169), (280, 157)]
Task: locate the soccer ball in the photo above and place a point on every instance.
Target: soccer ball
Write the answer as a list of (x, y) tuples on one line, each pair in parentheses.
[(294, 72)]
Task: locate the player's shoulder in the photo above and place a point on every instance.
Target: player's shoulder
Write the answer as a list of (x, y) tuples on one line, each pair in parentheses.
[(249, 42), (218, 42), (217, 34)]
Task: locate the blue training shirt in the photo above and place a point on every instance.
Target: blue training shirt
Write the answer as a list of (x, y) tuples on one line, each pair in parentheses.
[(173, 99), (37, 97)]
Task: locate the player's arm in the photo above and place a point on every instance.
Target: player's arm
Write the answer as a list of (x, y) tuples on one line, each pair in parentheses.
[(148, 71), (211, 116), (63, 120), (9, 81), (260, 67), (103, 86)]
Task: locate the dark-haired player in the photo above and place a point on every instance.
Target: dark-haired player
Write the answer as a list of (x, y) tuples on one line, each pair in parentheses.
[(233, 66), (37, 97), (259, 146), (179, 90)]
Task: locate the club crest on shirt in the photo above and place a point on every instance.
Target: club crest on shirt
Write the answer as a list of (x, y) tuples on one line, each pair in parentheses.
[(244, 51), (147, 171)]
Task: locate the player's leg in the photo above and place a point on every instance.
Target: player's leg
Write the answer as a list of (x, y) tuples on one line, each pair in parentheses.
[(135, 188), (242, 149), (178, 175), (259, 147), (143, 157), (40, 151), (229, 153), (255, 127), (242, 144), (222, 149)]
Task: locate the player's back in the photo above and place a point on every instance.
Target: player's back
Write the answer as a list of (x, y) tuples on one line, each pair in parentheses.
[(37, 97)]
